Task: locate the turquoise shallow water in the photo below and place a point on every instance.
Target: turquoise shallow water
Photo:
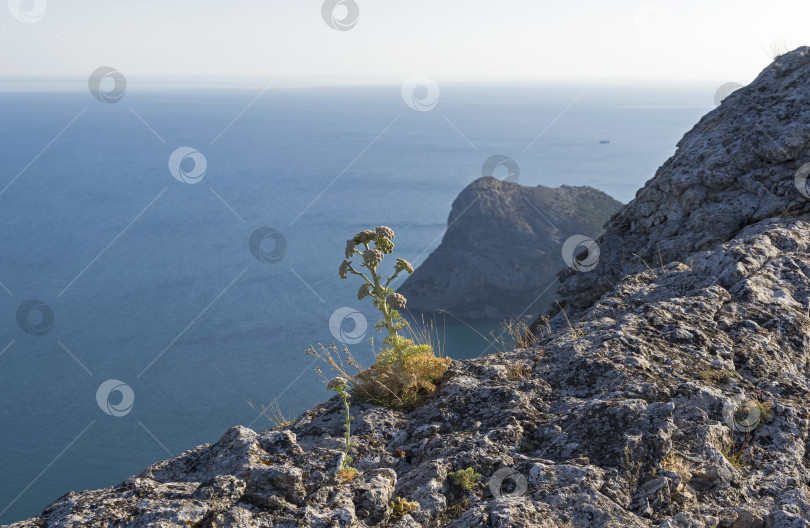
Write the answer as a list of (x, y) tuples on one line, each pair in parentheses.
[(152, 282)]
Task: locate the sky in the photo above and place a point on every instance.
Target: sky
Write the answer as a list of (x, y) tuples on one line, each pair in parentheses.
[(447, 40)]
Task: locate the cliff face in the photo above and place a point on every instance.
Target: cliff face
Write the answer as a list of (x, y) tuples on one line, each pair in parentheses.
[(502, 248), (734, 168), (677, 397)]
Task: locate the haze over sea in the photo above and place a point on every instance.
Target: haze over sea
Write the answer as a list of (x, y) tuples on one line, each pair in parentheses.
[(151, 280)]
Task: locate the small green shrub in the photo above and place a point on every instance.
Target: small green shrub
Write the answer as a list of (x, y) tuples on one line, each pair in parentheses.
[(734, 456), (465, 478), (761, 411), (747, 417), (527, 445)]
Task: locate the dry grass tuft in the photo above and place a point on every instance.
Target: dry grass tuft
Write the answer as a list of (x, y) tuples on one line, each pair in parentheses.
[(427, 333), (545, 320), (274, 414), (575, 333), (454, 510), (401, 507), (519, 333), (716, 375), (678, 465), (409, 374), (401, 385), (347, 474), (512, 333), (338, 362), (518, 372), (648, 266)]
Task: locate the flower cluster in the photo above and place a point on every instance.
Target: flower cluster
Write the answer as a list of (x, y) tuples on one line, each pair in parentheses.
[(364, 237), (372, 257), (350, 245), (384, 231), (363, 292), (337, 382), (397, 300), (403, 264)]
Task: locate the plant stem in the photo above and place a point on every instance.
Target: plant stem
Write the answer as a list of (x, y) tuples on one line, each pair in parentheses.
[(379, 294), (347, 426)]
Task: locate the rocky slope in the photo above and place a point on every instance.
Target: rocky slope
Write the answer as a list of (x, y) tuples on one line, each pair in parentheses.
[(502, 248), (734, 168), (678, 397)]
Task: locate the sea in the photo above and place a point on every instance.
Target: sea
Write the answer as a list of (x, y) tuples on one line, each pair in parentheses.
[(168, 254)]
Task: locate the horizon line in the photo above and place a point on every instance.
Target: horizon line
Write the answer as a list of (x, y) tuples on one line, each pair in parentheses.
[(69, 83)]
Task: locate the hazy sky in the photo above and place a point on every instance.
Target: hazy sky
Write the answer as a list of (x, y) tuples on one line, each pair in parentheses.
[(505, 40)]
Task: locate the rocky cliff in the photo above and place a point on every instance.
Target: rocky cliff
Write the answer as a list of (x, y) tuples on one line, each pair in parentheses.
[(676, 398), (502, 247), (734, 168)]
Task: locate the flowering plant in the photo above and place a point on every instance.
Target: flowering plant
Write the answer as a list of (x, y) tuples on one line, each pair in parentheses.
[(407, 370), (395, 347)]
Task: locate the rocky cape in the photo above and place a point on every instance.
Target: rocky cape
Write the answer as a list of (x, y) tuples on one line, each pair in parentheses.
[(627, 417), (500, 255)]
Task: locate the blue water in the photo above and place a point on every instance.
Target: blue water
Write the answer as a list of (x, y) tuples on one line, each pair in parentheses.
[(151, 281)]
